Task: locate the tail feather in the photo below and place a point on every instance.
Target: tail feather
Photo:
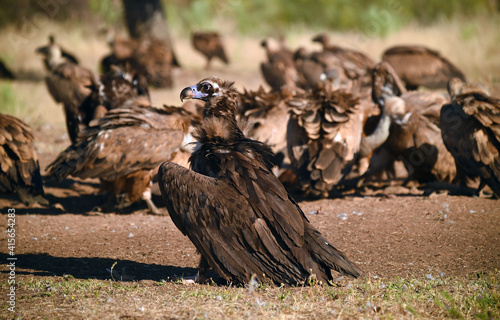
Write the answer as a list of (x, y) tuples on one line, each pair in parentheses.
[(326, 254)]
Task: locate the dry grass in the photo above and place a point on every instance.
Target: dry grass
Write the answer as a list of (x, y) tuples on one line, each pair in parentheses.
[(476, 296)]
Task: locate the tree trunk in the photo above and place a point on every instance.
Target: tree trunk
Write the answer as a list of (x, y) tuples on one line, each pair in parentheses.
[(147, 18)]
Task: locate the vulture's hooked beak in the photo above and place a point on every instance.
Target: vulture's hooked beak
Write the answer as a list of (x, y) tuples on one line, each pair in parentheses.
[(192, 93), (317, 38), (42, 50)]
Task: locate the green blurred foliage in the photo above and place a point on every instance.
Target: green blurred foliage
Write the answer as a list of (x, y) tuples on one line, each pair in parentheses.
[(8, 99), (373, 17), (110, 11)]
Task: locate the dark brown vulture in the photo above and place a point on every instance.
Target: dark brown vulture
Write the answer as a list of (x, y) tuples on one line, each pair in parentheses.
[(69, 84), (470, 127), (360, 61), (414, 135), (311, 68), (234, 209), (210, 44), (122, 148), (19, 168), (355, 66), (113, 90), (279, 69), (5, 73), (150, 57), (421, 66)]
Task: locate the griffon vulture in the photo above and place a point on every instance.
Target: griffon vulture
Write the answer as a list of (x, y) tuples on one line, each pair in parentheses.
[(19, 168)]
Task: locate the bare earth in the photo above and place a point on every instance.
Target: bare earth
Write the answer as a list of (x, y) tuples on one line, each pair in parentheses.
[(388, 236)]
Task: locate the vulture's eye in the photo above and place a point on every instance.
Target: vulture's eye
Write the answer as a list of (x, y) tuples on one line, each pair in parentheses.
[(205, 87)]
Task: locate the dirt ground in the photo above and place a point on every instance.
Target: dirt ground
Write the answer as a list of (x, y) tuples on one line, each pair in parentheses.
[(392, 232)]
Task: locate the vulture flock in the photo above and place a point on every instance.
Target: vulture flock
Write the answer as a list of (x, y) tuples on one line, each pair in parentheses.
[(229, 163)]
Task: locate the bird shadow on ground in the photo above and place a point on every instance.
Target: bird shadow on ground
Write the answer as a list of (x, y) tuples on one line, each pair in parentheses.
[(95, 268), (29, 75), (76, 197), (81, 204)]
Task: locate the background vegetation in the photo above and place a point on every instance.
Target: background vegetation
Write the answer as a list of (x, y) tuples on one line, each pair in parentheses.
[(379, 17)]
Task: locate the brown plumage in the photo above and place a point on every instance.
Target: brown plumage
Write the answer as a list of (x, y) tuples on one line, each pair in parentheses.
[(355, 65), (312, 68), (19, 168), (266, 114), (113, 90), (279, 69), (210, 44), (234, 209), (150, 57), (471, 132), (69, 84), (324, 134), (415, 134), (420, 66), (122, 148), (361, 61)]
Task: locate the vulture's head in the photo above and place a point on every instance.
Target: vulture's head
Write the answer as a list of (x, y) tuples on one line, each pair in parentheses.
[(51, 53), (455, 87), (322, 38), (385, 83), (271, 45), (220, 96)]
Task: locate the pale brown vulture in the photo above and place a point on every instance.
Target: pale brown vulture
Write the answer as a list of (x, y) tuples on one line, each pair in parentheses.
[(147, 56), (69, 84), (122, 148), (420, 66), (19, 168), (64, 54), (266, 114), (323, 138), (279, 69), (414, 135), (210, 44), (234, 209), (470, 127)]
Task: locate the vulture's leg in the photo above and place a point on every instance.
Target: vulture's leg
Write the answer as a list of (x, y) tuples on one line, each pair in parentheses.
[(72, 122), (207, 66), (146, 196), (200, 276)]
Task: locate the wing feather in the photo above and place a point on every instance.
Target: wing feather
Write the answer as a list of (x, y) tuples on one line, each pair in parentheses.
[(252, 231)]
